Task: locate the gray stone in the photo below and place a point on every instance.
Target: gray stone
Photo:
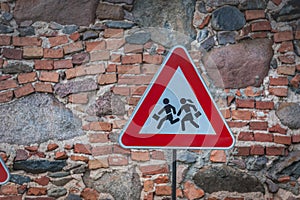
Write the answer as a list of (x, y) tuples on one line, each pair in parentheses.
[(119, 24), (90, 35), (290, 11), (79, 58), (63, 12), (227, 18), (236, 66), (226, 37), (297, 47), (99, 27), (202, 7), (288, 113), (138, 38), (56, 192), (202, 35), (176, 15), (26, 31), (69, 29), (186, 157), (120, 1), (253, 4), (61, 181), (58, 174), (64, 89), (272, 187), (7, 16), (208, 43), (55, 26), (256, 163), (37, 118), (39, 166), (273, 63), (109, 11), (19, 179), (6, 29), (218, 3), (121, 185), (224, 178), (107, 104), (73, 197), (16, 68), (26, 23)]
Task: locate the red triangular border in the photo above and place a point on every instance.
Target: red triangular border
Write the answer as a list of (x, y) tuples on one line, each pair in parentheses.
[(4, 173), (131, 137)]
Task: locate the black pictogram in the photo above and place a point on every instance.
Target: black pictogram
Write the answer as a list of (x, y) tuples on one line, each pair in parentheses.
[(186, 107)]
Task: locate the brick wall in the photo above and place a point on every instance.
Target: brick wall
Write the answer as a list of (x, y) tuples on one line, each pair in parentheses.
[(100, 70)]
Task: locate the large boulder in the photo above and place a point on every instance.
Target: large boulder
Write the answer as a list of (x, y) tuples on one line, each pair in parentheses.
[(35, 119), (63, 12), (239, 65)]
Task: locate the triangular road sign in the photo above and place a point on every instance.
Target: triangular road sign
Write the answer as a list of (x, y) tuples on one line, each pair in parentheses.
[(4, 173), (177, 111)]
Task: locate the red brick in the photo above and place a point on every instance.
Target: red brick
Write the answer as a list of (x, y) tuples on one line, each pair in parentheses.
[(163, 190), (161, 179), (68, 146), (49, 77), (191, 191), (148, 196), (32, 148), (281, 92), (259, 35), (10, 53), (226, 113), (261, 26), (99, 55), (32, 52), (139, 90), (115, 57), (295, 138), (284, 179), (43, 64), (63, 64), (73, 47), (263, 137), (150, 68), (27, 41), (54, 53), (6, 96), (111, 68), (246, 136), (244, 103), (37, 191), (115, 44), (58, 40), (218, 156), (140, 155), (104, 79), (98, 138), (287, 59), (5, 77), (5, 40), (102, 150), (133, 48), (132, 59), (128, 69), (78, 98), (254, 14), (295, 81), (125, 91), (148, 185), (43, 181), (280, 81), (133, 100), (283, 36), (286, 47), (61, 155), (24, 90), (8, 190), (283, 139), (79, 158), (257, 150), (158, 155), (275, 151), (83, 148), (119, 150), (117, 160), (43, 87), (113, 33), (286, 70), (14, 197), (252, 91), (74, 36), (98, 126), (89, 194), (297, 35), (204, 22), (277, 129), (154, 169), (243, 151), (152, 59), (241, 114), (52, 146), (258, 125), (264, 105), (27, 77), (95, 45), (98, 163), (134, 80), (232, 124)]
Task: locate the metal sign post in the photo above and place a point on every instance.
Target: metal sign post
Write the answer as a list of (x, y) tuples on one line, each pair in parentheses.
[(174, 172)]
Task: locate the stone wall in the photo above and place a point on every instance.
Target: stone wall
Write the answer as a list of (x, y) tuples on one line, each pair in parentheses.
[(71, 73)]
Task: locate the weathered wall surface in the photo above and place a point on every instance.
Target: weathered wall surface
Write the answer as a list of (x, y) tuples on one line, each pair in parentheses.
[(72, 72)]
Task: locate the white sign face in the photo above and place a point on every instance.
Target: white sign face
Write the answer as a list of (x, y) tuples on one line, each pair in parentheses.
[(178, 111)]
